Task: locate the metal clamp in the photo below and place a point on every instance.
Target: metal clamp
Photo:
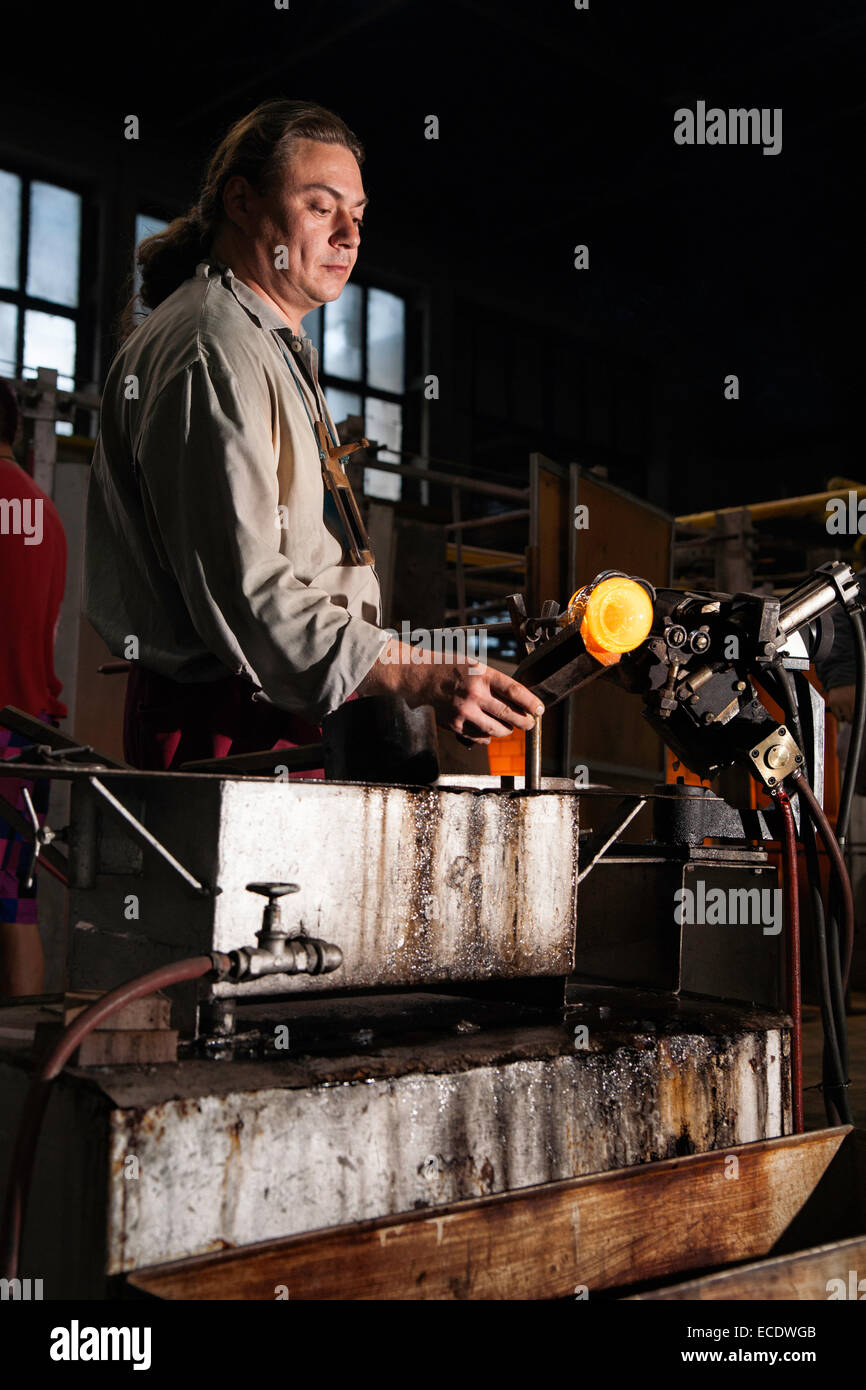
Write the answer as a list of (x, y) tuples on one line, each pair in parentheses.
[(42, 835)]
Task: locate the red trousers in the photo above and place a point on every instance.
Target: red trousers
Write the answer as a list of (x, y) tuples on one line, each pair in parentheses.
[(167, 723)]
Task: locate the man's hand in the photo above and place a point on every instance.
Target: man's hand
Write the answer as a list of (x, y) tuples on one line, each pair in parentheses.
[(468, 697), (840, 702)]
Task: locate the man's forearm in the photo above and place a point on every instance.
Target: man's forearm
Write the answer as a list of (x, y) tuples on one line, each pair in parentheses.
[(390, 673)]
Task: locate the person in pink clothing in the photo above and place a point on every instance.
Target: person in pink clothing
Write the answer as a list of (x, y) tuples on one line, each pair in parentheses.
[(32, 578)]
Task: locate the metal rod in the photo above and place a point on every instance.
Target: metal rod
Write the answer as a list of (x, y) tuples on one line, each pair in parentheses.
[(610, 839), (805, 603), (46, 734), (140, 832), (496, 520), (302, 759), (782, 506), (478, 610), (475, 570), (454, 479), (476, 627), (532, 766)]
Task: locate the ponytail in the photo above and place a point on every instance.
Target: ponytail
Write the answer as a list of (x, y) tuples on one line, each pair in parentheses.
[(169, 257)]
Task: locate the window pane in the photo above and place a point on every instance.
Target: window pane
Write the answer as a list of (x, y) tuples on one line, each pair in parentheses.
[(312, 326), (49, 341), (8, 334), (384, 424), (55, 235), (342, 404), (386, 339), (343, 334), (145, 226), (10, 226)]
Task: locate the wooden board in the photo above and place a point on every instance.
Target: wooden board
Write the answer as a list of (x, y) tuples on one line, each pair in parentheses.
[(812, 1274), (99, 699), (602, 1232)]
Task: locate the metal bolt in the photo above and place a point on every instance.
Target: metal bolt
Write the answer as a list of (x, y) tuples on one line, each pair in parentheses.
[(754, 752), (781, 732), (771, 781)]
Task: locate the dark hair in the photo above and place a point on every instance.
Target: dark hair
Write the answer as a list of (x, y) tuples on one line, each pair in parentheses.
[(9, 413), (258, 146)]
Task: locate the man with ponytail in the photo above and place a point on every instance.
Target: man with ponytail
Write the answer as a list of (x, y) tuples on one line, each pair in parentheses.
[(214, 560)]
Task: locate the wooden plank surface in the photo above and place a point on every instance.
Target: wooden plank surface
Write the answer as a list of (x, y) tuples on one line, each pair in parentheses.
[(811, 1274), (601, 1232)]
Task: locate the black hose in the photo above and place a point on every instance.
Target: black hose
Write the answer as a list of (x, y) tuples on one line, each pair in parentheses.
[(837, 863), (831, 929), (855, 748), (834, 1064), (833, 1069), (846, 799)]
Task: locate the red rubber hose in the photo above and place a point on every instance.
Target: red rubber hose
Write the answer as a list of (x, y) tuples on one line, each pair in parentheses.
[(21, 1167)]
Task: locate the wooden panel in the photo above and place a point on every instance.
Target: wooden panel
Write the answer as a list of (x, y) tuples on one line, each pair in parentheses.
[(550, 528), (100, 699), (105, 1047), (607, 724), (803, 1276), (601, 1232), (547, 578)]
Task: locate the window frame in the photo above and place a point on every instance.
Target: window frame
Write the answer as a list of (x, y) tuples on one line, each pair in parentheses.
[(23, 301), (360, 386)]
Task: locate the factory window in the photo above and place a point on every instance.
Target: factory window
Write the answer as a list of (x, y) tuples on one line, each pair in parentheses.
[(361, 340), (145, 226), (40, 251)]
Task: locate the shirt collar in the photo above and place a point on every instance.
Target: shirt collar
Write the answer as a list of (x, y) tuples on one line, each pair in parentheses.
[(259, 309)]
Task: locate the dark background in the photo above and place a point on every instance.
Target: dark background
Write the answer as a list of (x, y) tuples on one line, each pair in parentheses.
[(556, 128)]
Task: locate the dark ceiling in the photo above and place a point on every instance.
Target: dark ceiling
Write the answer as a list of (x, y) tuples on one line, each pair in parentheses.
[(556, 127)]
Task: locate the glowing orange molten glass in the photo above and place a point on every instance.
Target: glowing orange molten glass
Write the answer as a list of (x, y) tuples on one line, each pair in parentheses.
[(615, 616)]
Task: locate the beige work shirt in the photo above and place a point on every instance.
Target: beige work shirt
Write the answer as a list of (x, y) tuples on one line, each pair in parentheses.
[(206, 539)]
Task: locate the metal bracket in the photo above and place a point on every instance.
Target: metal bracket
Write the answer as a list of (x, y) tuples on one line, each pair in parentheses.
[(776, 757)]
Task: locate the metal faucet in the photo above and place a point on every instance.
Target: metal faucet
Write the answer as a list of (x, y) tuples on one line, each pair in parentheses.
[(277, 953)]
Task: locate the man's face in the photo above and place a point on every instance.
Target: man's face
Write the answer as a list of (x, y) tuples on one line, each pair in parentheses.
[(315, 211)]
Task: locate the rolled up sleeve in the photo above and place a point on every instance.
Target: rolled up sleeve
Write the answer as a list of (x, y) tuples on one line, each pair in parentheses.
[(207, 470)]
